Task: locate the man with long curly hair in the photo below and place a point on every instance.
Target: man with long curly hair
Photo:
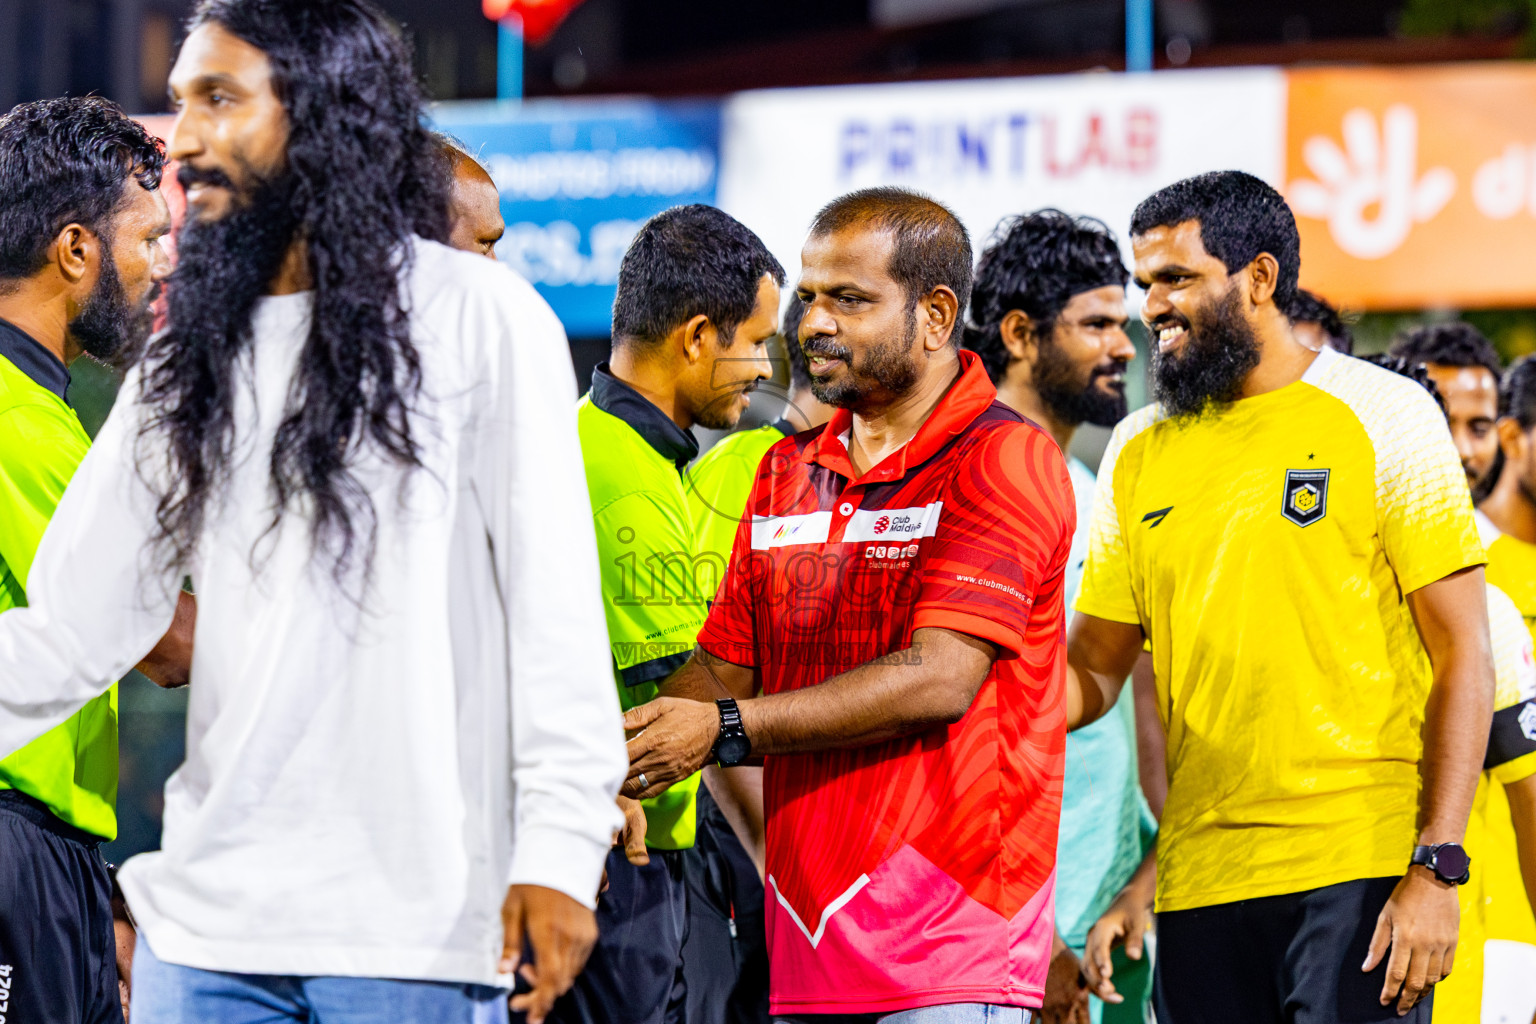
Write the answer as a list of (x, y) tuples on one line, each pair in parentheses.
[(402, 746)]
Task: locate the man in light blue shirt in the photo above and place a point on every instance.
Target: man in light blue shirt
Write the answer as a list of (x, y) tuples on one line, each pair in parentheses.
[(1048, 320)]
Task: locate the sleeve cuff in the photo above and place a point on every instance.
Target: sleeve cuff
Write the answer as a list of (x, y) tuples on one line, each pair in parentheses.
[(971, 625), (1423, 578), (559, 860), (1112, 613), (744, 655), (1514, 771)]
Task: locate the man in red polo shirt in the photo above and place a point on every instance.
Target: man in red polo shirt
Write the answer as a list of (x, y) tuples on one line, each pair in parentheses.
[(896, 595)]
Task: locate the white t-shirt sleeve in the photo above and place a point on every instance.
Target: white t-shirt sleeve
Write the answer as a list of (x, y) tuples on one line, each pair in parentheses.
[(567, 743), (94, 607)]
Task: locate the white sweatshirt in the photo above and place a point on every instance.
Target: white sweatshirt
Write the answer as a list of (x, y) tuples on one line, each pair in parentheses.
[(361, 784)]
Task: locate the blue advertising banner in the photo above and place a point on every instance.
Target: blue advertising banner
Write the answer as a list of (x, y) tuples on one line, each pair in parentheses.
[(577, 180)]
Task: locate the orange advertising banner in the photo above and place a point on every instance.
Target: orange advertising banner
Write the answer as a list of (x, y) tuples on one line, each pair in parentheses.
[(1415, 187)]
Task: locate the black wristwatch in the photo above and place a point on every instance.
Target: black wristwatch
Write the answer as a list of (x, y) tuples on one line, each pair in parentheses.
[(732, 746), (1448, 861)]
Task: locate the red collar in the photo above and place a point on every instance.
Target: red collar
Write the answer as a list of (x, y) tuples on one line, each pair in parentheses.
[(969, 396)]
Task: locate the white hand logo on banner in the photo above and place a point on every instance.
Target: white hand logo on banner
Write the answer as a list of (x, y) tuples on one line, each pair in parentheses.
[(1375, 173)]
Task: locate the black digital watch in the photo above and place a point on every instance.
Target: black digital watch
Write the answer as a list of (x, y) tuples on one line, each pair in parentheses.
[(732, 746)]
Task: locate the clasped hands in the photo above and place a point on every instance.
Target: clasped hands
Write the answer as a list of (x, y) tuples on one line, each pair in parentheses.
[(671, 740)]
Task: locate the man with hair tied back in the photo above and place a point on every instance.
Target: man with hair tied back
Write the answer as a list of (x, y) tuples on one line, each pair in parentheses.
[(1048, 321), (402, 745), (1291, 531), (889, 638)]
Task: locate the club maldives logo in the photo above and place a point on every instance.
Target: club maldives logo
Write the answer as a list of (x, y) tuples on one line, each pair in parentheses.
[(882, 524)]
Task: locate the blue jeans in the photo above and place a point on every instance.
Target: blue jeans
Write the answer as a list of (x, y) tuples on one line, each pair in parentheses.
[(947, 1013), (168, 994)]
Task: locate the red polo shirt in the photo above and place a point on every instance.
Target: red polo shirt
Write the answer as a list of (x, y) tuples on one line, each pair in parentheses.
[(918, 871)]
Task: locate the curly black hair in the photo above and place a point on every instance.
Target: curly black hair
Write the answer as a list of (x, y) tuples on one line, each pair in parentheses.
[(363, 175), (66, 161), (1036, 263), (1454, 343)]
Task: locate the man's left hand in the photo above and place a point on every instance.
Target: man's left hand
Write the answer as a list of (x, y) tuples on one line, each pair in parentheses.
[(1419, 924), (675, 740)]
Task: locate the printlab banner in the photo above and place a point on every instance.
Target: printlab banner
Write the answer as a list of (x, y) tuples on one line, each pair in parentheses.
[(1093, 144), (578, 178)]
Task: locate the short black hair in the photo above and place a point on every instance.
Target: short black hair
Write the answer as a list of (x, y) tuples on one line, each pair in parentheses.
[(1240, 217), (66, 161), (931, 246), (1310, 308), (1517, 393), (1453, 343), (1036, 263), (789, 329), (686, 261)]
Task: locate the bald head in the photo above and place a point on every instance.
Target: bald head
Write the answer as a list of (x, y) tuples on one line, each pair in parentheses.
[(474, 206)]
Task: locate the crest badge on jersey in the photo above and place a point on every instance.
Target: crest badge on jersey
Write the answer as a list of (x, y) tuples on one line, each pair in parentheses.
[(1306, 496)]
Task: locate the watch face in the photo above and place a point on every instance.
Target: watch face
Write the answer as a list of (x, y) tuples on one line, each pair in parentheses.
[(1451, 861), (733, 749)]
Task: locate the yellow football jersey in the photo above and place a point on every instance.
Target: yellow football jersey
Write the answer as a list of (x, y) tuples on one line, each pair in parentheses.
[(1459, 998), (1512, 568), (1264, 550)]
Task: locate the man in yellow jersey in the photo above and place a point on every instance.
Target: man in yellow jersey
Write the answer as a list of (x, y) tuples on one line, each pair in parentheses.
[(81, 219), (697, 300), (1466, 370), (1291, 531), (1511, 758), (1507, 521)]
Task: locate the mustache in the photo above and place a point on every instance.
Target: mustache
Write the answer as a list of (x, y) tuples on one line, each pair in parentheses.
[(187, 176), (1113, 368), (821, 345), (1168, 319)]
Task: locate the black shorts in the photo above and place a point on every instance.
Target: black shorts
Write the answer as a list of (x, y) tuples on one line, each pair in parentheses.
[(725, 960), (1292, 959), (58, 953), (635, 972)]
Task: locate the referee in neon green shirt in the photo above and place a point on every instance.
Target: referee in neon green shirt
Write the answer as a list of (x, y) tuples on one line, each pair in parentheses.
[(697, 302), (81, 220)]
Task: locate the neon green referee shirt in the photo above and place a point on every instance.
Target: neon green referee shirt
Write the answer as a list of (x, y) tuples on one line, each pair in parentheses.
[(720, 483), (72, 769), (653, 596)]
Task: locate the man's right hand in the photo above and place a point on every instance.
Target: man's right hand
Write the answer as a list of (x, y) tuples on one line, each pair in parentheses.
[(1066, 998), (562, 933), (1124, 923)]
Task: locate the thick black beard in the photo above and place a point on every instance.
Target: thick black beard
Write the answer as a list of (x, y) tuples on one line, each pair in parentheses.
[(1071, 400), (108, 326), (887, 371), (223, 266), (1219, 353)]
